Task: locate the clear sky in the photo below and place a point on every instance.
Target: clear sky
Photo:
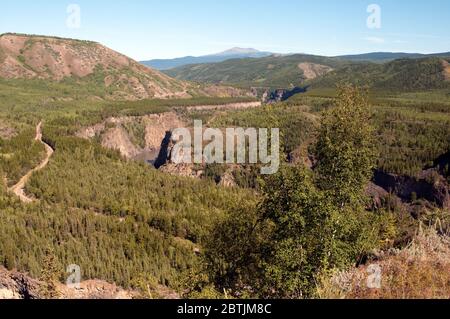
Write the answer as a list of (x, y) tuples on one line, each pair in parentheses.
[(146, 29)]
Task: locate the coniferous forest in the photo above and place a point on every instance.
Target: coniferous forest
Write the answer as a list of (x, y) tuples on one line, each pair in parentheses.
[(86, 177)]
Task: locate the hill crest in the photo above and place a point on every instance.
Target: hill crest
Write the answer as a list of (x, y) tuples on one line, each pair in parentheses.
[(56, 59)]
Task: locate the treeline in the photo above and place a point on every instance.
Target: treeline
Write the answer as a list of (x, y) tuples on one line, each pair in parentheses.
[(409, 141)]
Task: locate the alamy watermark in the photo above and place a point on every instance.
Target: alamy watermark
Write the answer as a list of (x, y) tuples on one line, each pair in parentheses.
[(238, 146), (374, 19), (375, 275), (73, 20), (74, 278)]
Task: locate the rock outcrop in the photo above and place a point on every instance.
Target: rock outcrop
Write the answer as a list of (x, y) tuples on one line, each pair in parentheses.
[(227, 179), (117, 139), (446, 66), (15, 285), (268, 95), (113, 135), (313, 70)]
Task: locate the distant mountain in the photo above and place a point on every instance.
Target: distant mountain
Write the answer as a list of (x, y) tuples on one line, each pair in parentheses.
[(272, 71), (234, 53), (389, 56), (407, 73)]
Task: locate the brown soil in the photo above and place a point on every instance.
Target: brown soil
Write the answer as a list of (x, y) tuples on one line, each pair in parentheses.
[(15, 285)]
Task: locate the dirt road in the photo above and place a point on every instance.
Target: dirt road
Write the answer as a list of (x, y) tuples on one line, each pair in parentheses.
[(19, 188)]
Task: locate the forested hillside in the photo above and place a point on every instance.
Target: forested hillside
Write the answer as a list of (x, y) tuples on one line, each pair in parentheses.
[(399, 75), (273, 71), (227, 231), (320, 72), (413, 128), (120, 221)]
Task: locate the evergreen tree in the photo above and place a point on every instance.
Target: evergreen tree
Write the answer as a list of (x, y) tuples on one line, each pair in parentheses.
[(50, 276)]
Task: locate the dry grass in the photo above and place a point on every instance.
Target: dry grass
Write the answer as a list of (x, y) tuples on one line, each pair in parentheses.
[(420, 271)]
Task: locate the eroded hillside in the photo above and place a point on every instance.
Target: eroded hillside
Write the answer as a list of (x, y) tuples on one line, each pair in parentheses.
[(31, 57), (28, 57)]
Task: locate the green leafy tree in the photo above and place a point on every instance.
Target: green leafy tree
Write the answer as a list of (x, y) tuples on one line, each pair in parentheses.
[(308, 223), (346, 147)]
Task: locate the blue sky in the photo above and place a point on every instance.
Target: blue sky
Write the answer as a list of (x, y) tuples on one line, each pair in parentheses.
[(145, 29)]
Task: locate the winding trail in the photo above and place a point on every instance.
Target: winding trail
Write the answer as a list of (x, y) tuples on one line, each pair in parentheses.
[(19, 188)]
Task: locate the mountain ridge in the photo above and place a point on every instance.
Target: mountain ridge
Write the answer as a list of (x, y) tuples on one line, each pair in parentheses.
[(233, 53), (272, 71), (301, 70), (389, 56)]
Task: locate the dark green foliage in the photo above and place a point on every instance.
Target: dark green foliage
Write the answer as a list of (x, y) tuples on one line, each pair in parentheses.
[(284, 72), (409, 141), (295, 123), (96, 179), (412, 129), (214, 171), (346, 147), (233, 253), (312, 233), (73, 101), (104, 247)]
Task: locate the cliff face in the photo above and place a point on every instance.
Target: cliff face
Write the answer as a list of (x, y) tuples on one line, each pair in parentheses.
[(14, 285), (446, 66), (121, 134), (278, 95), (429, 185)]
